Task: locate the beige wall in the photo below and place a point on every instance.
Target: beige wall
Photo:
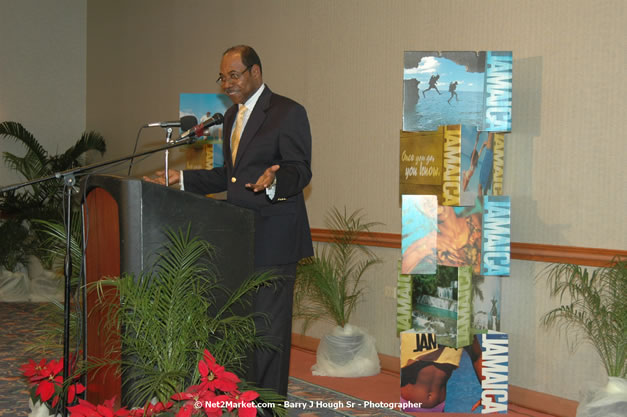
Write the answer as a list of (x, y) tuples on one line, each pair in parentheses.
[(343, 60), (42, 73)]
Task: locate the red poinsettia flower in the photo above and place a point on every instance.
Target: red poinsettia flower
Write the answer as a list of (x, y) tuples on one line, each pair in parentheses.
[(193, 393), (193, 396), (185, 411), (77, 388), (33, 369), (45, 376), (47, 387), (245, 406), (71, 394), (213, 407), (197, 397), (52, 368), (87, 409), (214, 376)]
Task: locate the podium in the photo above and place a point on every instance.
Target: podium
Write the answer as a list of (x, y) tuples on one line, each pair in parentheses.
[(124, 220)]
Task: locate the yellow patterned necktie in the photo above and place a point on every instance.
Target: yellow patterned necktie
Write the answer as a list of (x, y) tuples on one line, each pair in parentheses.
[(237, 133)]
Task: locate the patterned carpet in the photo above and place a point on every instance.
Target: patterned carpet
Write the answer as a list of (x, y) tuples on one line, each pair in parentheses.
[(310, 400), (19, 320)]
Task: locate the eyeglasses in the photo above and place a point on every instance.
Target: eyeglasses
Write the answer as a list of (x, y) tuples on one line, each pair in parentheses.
[(232, 76)]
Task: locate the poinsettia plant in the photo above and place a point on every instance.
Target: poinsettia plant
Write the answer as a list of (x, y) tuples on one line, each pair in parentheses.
[(46, 382), (178, 305), (217, 394)]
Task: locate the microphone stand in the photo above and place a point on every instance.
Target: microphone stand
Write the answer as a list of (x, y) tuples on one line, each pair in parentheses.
[(168, 136), (69, 182), (69, 179)]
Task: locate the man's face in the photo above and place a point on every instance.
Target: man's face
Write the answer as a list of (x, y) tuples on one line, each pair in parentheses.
[(247, 82)]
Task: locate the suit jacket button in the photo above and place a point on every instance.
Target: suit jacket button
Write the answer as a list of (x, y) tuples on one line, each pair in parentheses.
[(233, 179)]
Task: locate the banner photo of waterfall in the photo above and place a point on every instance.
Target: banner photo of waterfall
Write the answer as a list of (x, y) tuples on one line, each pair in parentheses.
[(435, 306)]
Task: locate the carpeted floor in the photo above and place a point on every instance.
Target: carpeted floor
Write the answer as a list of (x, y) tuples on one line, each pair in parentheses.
[(19, 320), (17, 323), (310, 400)]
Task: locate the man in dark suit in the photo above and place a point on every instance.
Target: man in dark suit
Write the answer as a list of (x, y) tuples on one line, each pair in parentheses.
[(267, 163)]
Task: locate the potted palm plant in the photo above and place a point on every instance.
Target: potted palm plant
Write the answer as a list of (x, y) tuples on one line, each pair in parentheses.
[(43, 201), (171, 317), (173, 306), (328, 287), (14, 282), (594, 311)]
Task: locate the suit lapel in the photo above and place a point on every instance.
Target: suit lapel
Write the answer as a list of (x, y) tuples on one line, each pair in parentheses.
[(256, 119)]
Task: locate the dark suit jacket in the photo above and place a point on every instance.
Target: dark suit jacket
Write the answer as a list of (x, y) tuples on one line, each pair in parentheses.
[(277, 132)]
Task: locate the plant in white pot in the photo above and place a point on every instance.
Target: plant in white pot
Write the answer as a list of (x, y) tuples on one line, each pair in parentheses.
[(594, 311), (328, 287), (39, 201)]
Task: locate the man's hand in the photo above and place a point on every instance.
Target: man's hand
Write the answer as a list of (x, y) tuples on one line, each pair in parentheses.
[(174, 177), (266, 179)]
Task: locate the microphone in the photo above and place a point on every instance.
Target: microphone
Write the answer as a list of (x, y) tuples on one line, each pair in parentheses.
[(197, 131), (175, 123), (184, 123)]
